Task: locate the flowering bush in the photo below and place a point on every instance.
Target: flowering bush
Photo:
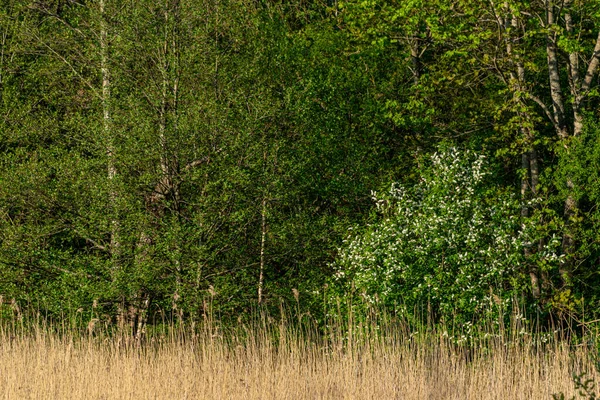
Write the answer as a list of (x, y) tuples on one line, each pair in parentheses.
[(449, 242)]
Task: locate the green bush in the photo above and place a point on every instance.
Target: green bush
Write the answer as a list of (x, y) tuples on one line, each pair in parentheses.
[(451, 242)]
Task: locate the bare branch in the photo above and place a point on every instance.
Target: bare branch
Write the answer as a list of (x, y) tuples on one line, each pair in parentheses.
[(67, 63), (44, 10), (545, 109), (196, 163), (96, 244), (200, 161)]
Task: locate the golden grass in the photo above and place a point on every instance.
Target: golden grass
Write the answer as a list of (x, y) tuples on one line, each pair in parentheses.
[(250, 364)]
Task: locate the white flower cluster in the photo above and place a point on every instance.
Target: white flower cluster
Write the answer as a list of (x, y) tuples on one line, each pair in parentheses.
[(445, 241)]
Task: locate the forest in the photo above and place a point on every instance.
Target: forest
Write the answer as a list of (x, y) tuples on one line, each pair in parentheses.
[(299, 199), (433, 157)]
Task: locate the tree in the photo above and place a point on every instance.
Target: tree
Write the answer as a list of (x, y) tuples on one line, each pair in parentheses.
[(448, 243), (517, 58)]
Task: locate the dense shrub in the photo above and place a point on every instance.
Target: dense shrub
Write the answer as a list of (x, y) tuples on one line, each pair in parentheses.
[(451, 242)]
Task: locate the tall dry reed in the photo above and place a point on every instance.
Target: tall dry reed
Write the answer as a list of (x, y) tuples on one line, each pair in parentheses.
[(277, 360)]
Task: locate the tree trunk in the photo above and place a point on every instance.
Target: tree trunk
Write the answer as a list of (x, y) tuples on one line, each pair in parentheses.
[(586, 83), (141, 317), (415, 59), (110, 156), (568, 241), (528, 162), (108, 131), (565, 268), (574, 80), (553, 73), (263, 237), (528, 246)]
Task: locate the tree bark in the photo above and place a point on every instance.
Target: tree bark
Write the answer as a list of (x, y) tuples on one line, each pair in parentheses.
[(263, 236), (586, 84), (558, 104), (528, 252), (415, 59), (108, 134), (141, 317)]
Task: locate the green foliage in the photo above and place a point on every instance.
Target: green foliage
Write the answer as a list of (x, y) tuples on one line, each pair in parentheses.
[(579, 163), (585, 388), (449, 241), (218, 107)]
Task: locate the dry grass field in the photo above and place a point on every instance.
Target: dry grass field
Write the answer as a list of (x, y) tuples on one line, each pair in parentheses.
[(278, 363)]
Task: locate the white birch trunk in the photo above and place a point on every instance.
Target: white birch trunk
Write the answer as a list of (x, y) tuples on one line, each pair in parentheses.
[(108, 133), (263, 238)]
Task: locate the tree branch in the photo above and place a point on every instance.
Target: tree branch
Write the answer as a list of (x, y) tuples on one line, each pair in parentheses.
[(67, 63), (96, 244), (593, 65), (195, 163), (545, 109)]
